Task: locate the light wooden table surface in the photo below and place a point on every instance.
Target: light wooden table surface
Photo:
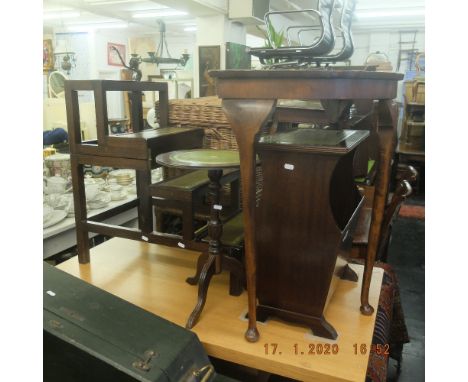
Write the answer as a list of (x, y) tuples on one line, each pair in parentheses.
[(152, 277)]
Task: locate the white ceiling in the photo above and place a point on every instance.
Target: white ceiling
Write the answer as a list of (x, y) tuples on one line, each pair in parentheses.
[(118, 12)]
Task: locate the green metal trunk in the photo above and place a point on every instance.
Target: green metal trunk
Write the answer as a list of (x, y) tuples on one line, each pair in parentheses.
[(91, 335)]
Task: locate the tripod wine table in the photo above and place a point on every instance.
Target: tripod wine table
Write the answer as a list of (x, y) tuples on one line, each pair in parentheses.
[(214, 161)]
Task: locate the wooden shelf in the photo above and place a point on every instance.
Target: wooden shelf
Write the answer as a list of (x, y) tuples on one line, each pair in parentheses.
[(152, 277)]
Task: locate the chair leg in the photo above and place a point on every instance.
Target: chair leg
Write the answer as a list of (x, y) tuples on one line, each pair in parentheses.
[(236, 276), (187, 221), (203, 284), (159, 220)]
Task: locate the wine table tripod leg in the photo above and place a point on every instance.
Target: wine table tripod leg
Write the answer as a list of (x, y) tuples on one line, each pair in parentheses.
[(234, 266), (213, 264), (203, 284), (202, 259)]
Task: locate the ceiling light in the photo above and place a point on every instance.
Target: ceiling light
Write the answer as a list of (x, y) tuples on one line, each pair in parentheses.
[(155, 57), (375, 14), (60, 15), (64, 57), (190, 29), (84, 27), (160, 13), (106, 2)]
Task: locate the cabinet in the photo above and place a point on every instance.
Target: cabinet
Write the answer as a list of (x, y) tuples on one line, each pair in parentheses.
[(305, 223)]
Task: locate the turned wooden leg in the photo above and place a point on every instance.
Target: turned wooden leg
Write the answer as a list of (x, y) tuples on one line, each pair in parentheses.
[(204, 282), (246, 117), (200, 263)]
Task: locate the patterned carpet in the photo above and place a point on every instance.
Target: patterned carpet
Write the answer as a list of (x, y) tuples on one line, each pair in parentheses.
[(412, 211)]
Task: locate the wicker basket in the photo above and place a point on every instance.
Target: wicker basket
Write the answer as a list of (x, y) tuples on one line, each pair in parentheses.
[(205, 113)]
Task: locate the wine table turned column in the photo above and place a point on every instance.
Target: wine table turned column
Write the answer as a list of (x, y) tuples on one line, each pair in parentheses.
[(216, 262)]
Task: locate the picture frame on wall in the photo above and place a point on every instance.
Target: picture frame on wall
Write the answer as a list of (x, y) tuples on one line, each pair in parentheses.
[(47, 56), (209, 58), (112, 56)]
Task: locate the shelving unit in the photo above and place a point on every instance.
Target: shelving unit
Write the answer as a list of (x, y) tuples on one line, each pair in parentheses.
[(411, 147), (412, 134)]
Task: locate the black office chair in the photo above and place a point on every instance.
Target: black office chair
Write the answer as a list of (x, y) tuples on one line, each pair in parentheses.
[(343, 32), (340, 22), (320, 45)]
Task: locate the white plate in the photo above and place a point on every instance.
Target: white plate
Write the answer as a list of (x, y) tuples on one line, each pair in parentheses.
[(57, 216)]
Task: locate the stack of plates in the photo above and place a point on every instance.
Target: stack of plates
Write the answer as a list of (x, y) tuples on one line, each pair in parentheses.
[(101, 200), (124, 177)]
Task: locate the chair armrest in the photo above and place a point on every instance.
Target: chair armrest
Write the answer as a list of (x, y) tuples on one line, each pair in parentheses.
[(409, 173)]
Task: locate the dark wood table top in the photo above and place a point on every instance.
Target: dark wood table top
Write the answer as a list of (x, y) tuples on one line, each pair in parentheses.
[(305, 73), (316, 84), (150, 134), (314, 140)]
